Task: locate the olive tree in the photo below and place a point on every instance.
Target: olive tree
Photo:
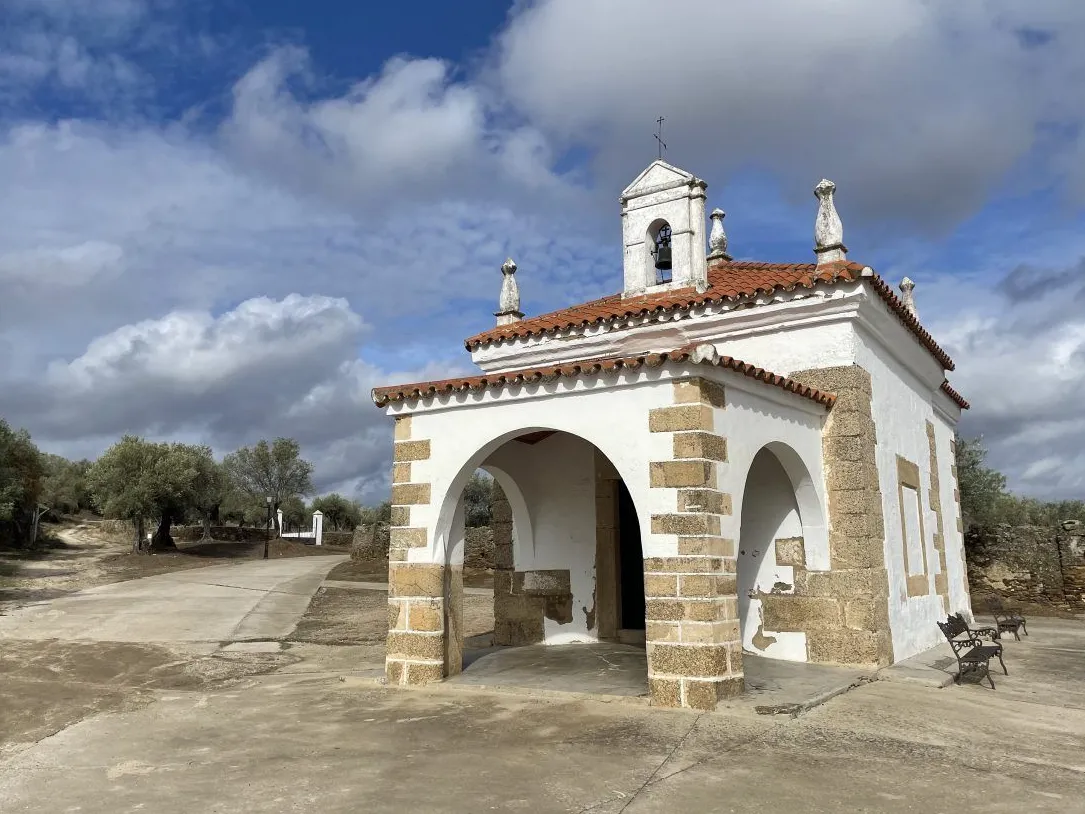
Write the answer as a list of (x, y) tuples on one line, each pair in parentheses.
[(342, 513), (64, 487), (274, 470), (140, 480), (21, 474), (295, 513), (983, 490), (478, 496)]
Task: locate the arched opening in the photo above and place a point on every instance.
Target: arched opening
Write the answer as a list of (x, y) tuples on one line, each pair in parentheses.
[(659, 249), (567, 564), (780, 511)]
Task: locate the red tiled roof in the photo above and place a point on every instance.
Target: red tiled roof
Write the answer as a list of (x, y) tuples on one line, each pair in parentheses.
[(728, 281), (953, 394), (426, 390)]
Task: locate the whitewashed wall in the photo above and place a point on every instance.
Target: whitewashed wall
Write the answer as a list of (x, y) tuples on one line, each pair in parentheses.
[(769, 512), (556, 478), (902, 404), (954, 539), (551, 489), (613, 418)]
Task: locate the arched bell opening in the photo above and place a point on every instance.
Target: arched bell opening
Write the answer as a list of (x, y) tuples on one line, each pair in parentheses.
[(566, 551), (659, 247)]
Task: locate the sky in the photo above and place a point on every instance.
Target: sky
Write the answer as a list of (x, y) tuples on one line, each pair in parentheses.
[(227, 220)]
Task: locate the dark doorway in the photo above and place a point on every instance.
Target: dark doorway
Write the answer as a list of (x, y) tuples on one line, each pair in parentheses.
[(630, 563)]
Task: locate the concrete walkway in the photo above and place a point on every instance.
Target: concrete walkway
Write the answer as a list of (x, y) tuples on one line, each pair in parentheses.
[(600, 669), (260, 599)]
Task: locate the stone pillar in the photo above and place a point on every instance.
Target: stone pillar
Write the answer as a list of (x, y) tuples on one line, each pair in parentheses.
[(692, 627), (607, 579), (508, 629), (417, 591), (857, 582), (318, 528)]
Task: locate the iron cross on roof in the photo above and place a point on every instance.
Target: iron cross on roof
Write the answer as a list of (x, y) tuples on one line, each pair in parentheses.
[(659, 137)]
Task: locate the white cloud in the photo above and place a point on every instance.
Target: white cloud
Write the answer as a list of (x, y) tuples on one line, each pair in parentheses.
[(401, 138), (267, 368), (918, 109), (1019, 343), (216, 282)]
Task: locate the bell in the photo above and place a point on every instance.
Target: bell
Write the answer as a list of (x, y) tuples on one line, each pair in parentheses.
[(663, 257)]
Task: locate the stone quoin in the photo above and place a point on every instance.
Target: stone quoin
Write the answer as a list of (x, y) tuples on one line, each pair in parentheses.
[(732, 458)]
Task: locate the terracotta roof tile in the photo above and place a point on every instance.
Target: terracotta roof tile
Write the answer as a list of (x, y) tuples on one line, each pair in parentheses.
[(957, 397), (383, 396), (728, 282)]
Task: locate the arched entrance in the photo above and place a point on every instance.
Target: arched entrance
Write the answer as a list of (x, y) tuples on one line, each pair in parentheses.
[(568, 562), (781, 530)]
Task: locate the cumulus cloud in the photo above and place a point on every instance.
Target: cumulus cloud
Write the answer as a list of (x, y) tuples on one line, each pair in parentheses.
[(407, 135), (193, 368), (263, 369), (72, 47), (919, 109), (1020, 346), (222, 277)]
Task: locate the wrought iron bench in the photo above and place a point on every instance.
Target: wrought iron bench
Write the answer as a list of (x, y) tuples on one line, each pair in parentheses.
[(973, 656), (1007, 621), (992, 633)]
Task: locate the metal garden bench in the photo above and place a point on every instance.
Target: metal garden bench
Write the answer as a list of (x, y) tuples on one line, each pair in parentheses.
[(992, 633), (1008, 621), (973, 656)]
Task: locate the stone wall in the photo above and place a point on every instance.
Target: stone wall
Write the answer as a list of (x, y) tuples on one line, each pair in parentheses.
[(1041, 565), (479, 548), (523, 600), (371, 543), (232, 534), (237, 534)]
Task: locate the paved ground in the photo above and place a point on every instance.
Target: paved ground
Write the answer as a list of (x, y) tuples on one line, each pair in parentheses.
[(260, 599), (304, 727), (608, 668)]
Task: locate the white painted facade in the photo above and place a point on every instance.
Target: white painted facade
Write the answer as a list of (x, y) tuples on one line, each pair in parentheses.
[(550, 485), (769, 512), (780, 493)]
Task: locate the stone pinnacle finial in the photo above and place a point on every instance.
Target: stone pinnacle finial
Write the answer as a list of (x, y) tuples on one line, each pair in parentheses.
[(717, 240), (828, 230), (907, 288), (509, 302)]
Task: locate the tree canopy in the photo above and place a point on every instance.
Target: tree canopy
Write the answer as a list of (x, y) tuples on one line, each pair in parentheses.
[(478, 497), (140, 480), (339, 512), (273, 470), (64, 487), (296, 514), (985, 501), (22, 471)]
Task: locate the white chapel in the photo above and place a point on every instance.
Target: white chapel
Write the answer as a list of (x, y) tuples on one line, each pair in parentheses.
[(723, 458)]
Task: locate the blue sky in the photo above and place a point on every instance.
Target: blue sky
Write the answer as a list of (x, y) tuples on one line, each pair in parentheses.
[(229, 220)]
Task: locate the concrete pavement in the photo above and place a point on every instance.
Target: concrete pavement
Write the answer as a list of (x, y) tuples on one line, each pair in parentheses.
[(304, 742), (261, 599), (306, 728)]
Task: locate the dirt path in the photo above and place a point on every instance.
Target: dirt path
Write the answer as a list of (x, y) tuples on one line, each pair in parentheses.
[(73, 563)]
